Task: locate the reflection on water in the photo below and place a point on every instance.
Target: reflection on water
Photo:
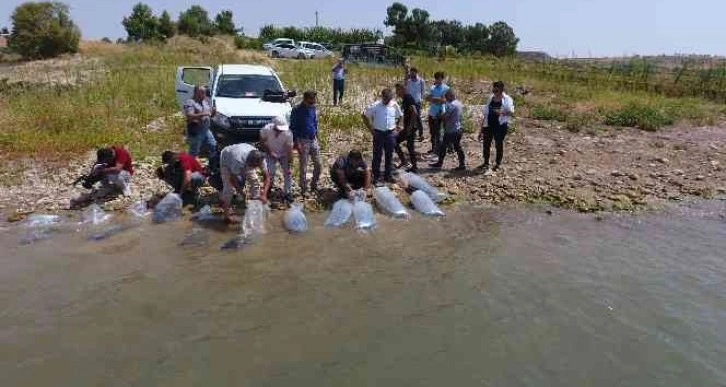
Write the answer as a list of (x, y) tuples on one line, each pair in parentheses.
[(483, 297)]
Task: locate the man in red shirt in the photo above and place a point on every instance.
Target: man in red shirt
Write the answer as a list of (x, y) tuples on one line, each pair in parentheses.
[(115, 166), (183, 173)]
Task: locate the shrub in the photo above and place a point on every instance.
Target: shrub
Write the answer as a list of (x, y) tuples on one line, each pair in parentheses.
[(43, 30), (638, 116), (548, 112), (247, 43)]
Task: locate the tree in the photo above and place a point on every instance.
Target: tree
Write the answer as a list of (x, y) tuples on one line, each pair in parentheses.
[(224, 24), (5, 31), (141, 25), (167, 27), (502, 40), (195, 22), (477, 38), (420, 28), (43, 30), (396, 18)]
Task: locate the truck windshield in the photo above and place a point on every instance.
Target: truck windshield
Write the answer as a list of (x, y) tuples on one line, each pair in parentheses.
[(246, 86)]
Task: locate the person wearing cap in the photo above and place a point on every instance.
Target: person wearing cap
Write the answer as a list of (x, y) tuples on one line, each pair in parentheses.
[(238, 165), (339, 72), (350, 173), (383, 120), (183, 173), (277, 143)]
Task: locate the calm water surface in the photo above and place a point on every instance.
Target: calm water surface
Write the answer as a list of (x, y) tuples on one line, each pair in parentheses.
[(485, 297)]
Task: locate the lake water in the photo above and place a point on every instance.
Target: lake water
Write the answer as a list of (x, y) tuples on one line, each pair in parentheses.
[(484, 297)]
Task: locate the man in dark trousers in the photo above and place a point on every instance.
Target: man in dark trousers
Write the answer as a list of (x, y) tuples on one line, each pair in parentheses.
[(451, 118), (410, 124), (350, 173), (383, 120)]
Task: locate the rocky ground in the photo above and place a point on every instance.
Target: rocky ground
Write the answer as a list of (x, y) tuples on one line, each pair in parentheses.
[(611, 169)]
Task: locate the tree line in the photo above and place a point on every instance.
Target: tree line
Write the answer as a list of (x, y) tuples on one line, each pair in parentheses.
[(143, 26), (45, 29), (415, 29)]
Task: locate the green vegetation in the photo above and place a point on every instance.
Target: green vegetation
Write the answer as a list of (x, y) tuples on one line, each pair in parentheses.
[(43, 30), (414, 29), (143, 26), (134, 86)]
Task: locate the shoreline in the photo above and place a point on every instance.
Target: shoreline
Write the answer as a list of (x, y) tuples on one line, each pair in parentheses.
[(608, 170)]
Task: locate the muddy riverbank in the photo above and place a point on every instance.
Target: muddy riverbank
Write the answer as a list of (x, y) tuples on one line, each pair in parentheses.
[(606, 170)]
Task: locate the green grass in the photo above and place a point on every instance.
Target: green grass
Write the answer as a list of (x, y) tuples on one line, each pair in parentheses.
[(137, 87)]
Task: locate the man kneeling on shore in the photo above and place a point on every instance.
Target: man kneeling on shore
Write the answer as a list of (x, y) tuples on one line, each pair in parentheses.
[(183, 173), (238, 165), (350, 173), (113, 169)]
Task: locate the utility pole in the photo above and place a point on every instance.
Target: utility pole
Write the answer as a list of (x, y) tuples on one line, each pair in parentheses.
[(316, 18)]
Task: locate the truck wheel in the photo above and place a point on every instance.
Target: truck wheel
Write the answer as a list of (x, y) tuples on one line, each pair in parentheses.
[(301, 56), (275, 54)]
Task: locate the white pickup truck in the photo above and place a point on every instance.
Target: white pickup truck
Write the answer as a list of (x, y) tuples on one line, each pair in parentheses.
[(247, 97)]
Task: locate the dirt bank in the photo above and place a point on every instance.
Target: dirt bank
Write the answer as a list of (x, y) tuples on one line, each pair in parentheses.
[(611, 169)]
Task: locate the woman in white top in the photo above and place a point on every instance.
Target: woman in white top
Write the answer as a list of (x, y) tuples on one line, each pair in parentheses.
[(495, 125)]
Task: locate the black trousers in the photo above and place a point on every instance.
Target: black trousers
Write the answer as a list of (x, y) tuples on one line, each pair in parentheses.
[(497, 134), (452, 139), (435, 131), (408, 136), (418, 119), (338, 89)]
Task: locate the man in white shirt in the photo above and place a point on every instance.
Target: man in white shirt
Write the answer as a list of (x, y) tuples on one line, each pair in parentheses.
[(383, 119), (277, 143), (416, 86)]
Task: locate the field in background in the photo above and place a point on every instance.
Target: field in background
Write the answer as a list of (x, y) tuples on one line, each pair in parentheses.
[(115, 91)]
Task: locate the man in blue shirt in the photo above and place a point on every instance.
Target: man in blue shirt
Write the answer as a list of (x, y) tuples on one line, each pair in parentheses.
[(437, 100), (304, 125), (339, 72)]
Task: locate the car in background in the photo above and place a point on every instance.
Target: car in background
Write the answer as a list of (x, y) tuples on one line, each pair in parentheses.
[(267, 46), (318, 50), (286, 50), (246, 97)]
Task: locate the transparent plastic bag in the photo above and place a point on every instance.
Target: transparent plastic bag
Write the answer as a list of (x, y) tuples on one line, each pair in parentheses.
[(253, 224), (389, 203), (423, 204), (39, 227), (139, 209), (342, 210), (95, 215), (168, 209), (295, 220), (40, 220), (417, 182), (109, 232), (363, 214), (205, 214)]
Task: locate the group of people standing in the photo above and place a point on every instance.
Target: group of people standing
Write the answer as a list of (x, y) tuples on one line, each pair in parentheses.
[(393, 120), (392, 124)]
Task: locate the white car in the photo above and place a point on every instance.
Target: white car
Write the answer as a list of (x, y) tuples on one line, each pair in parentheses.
[(318, 50), (286, 50), (247, 98), (267, 46)]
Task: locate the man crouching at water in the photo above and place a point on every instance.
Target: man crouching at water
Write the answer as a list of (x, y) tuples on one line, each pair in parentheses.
[(183, 173), (238, 164), (113, 169), (350, 173)]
